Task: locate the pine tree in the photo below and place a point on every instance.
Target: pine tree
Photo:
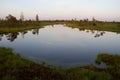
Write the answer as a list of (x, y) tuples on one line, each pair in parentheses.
[(22, 17), (37, 17)]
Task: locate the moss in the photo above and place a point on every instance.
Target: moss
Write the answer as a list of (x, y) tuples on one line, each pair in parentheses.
[(15, 67), (113, 64)]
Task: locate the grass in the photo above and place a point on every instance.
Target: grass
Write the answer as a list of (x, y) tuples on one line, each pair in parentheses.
[(23, 27), (15, 67), (100, 26), (113, 64), (6, 27)]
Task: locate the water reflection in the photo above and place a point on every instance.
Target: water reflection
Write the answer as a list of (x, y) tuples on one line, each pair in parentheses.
[(35, 31), (1, 37), (96, 33), (12, 36), (23, 33), (61, 44)]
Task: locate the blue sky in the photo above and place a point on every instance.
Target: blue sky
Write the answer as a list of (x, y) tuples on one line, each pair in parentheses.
[(62, 9)]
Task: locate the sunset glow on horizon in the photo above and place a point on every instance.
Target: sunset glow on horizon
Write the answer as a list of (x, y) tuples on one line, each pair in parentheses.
[(107, 10)]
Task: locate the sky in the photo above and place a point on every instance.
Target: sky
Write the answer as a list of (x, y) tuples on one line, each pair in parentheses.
[(107, 10)]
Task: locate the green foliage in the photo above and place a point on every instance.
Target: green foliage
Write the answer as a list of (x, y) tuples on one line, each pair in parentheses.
[(86, 74), (15, 67), (11, 24), (95, 25), (8, 59), (108, 59), (11, 18), (23, 26), (112, 62)]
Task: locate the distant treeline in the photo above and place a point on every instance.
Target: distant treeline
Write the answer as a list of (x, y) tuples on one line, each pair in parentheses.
[(11, 21), (94, 25)]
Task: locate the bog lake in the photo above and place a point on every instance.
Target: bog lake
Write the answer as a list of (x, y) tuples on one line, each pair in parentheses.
[(62, 45)]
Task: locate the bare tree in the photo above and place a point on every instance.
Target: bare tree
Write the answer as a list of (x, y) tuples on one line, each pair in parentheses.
[(93, 19), (21, 17)]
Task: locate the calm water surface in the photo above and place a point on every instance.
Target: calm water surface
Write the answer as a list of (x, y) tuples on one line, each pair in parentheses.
[(62, 45)]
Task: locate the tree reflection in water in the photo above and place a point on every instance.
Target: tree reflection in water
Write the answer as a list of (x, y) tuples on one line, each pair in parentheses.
[(98, 34), (94, 32), (1, 35), (23, 33), (35, 31), (12, 36)]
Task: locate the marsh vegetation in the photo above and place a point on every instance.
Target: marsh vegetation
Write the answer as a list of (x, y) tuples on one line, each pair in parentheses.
[(11, 24), (15, 67)]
